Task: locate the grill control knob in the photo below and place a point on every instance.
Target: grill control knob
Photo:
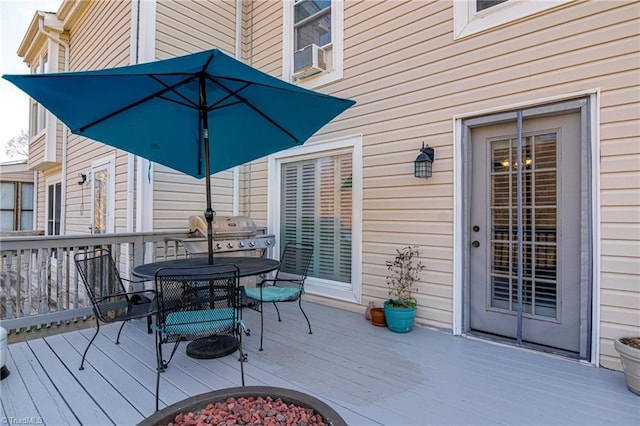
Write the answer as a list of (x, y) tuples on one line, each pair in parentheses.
[(252, 244), (268, 242), (240, 244), (230, 245), (218, 246)]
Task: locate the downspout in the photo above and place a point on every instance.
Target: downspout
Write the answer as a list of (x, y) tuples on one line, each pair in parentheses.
[(238, 54), (145, 36), (63, 183), (131, 159)]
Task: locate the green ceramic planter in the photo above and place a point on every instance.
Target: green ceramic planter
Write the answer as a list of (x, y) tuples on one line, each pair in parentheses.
[(399, 320)]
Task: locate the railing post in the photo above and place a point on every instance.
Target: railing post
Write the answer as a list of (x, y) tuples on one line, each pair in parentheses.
[(9, 299), (138, 251), (76, 282), (18, 268), (60, 264), (26, 310), (42, 280)]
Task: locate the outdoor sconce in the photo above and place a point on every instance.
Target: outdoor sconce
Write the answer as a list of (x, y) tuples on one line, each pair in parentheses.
[(82, 178), (423, 166)]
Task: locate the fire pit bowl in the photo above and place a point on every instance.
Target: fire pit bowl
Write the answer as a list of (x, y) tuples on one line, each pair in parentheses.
[(288, 396)]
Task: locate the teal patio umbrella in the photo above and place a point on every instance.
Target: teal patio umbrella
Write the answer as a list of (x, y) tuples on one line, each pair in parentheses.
[(198, 114)]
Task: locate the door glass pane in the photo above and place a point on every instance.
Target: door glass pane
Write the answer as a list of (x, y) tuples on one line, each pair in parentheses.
[(26, 206), (100, 201), (26, 198), (7, 195), (58, 208), (26, 220), (539, 225), (6, 220)]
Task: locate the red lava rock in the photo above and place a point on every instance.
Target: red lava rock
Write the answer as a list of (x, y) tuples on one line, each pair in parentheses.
[(250, 411)]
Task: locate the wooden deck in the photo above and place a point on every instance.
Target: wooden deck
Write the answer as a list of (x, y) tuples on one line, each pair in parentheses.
[(370, 375)]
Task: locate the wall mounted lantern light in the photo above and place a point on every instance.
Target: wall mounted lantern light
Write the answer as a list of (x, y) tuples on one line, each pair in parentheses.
[(423, 166)]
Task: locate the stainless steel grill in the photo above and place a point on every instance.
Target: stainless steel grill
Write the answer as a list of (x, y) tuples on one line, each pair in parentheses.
[(232, 236)]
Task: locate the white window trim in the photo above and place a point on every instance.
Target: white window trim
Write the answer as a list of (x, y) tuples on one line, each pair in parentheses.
[(337, 42), (108, 162), (352, 143), (466, 21)]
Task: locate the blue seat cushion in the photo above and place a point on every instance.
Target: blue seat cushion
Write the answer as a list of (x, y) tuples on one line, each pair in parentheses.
[(274, 294), (199, 322)]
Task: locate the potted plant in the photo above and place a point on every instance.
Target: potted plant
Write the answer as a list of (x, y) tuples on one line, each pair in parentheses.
[(629, 350), (400, 309)]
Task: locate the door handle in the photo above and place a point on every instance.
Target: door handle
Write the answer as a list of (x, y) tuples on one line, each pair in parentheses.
[(475, 244)]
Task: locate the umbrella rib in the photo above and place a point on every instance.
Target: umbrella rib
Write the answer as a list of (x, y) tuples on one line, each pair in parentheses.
[(229, 95), (189, 103), (141, 101), (234, 93)]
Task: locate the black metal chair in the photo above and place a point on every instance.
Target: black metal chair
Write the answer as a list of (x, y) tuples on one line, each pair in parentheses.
[(197, 303), (288, 284), (110, 299)]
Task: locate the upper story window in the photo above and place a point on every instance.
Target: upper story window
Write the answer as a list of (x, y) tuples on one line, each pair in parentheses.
[(313, 41), (473, 16), (312, 23), (38, 114), (486, 4)]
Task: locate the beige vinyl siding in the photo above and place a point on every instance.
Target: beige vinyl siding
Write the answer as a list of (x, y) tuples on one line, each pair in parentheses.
[(253, 191), (41, 211), (178, 196), (36, 152), (16, 176), (264, 52), (182, 28), (100, 40), (265, 37), (187, 26), (410, 78)]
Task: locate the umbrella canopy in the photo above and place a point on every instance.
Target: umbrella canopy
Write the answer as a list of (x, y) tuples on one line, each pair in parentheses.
[(198, 114)]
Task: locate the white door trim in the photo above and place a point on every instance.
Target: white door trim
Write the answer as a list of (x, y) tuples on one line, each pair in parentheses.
[(459, 206)]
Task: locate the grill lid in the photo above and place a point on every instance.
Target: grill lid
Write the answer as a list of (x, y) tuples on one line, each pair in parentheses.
[(224, 227)]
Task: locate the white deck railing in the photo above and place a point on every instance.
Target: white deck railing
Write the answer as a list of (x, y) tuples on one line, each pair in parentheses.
[(39, 282)]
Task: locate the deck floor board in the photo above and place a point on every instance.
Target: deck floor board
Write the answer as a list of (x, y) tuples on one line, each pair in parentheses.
[(368, 374)]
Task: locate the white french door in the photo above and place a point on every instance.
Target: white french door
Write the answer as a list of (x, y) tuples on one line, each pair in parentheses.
[(103, 196)]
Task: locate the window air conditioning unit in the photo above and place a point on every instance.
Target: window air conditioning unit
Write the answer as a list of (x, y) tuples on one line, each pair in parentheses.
[(308, 61)]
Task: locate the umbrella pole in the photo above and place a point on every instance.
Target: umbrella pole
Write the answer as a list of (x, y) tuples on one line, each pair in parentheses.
[(209, 214)]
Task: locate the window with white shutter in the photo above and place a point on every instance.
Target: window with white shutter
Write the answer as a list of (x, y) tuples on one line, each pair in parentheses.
[(315, 196), (316, 207)]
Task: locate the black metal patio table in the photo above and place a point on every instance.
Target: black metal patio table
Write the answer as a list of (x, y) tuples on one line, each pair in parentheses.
[(213, 346), (248, 266)]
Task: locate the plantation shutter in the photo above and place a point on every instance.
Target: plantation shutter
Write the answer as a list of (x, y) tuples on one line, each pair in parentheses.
[(316, 208)]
